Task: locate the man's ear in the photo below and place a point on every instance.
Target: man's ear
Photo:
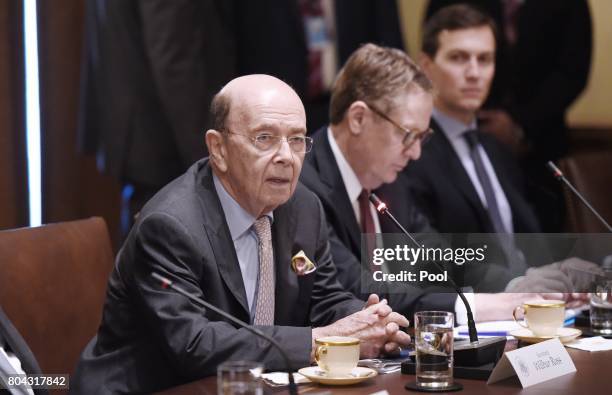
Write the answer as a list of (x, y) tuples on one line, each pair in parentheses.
[(356, 116), (425, 62), (215, 142)]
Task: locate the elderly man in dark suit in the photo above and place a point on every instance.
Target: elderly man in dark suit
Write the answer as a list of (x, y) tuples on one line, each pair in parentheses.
[(15, 357), (226, 231)]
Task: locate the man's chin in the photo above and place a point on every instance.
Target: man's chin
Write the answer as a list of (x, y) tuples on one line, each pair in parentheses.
[(277, 199)]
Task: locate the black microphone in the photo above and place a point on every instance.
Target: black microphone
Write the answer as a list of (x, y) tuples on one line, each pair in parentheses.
[(558, 174), (167, 283), (477, 352)]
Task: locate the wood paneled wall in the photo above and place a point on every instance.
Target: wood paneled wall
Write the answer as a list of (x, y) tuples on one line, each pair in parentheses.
[(13, 181), (72, 186)]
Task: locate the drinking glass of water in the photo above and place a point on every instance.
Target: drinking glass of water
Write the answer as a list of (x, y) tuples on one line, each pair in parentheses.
[(239, 378), (433, 332), (601, 306)]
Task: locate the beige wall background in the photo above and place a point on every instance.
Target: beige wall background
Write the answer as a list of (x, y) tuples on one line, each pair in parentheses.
[(594, 107)]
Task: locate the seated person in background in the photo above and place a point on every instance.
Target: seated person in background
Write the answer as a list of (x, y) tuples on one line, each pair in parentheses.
[(226, 231), (466, 181), (380, 112), (543, 57), (15, 357)]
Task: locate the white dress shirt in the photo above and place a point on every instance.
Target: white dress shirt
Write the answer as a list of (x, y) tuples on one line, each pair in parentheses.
[(351, 182), (354, 188), (240, 224)]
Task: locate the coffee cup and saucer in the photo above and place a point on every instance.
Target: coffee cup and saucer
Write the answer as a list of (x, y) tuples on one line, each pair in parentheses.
[(543, 320), (337, 358)]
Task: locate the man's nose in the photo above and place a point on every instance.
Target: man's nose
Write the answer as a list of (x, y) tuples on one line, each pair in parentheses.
[(284, 153), (414, 151), (473, 68)]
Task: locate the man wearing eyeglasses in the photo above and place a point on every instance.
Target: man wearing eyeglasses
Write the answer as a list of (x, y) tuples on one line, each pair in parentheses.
[(226, 231), (380, 110)]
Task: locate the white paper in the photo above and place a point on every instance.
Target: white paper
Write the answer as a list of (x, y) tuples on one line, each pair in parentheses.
[(282, 378), (502, 328), (592, 344), (489, 328), (534, 364)]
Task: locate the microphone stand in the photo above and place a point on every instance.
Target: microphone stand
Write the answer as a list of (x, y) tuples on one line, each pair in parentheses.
[(167, 283), (558, 174)]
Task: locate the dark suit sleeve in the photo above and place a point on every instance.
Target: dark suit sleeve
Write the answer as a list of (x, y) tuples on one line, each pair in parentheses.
[(330, 300), (190, 52), (194, 344), (404, 298)]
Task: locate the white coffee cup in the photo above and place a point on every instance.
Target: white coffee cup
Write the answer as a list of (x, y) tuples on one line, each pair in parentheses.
[(337, 355), (542, 317)]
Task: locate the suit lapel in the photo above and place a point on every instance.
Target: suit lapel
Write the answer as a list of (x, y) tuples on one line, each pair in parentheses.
[(283, 235), (338, 196), (521, 213), (220, 238), (456, 174)]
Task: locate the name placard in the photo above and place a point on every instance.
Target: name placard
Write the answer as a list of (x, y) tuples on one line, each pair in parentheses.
[(534, 364)]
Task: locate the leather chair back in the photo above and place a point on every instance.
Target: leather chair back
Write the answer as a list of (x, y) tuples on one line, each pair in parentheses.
[(52, 287), (591, 174)]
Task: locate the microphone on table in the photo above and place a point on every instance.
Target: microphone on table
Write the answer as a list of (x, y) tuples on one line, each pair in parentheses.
[(167, 283), (476, 352), (558, 174)]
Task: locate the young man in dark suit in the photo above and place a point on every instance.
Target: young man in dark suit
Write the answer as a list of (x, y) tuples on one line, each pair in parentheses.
[(544, 50), (466, 181), (226, 231)]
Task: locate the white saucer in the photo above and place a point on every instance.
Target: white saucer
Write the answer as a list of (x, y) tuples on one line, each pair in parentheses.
[(565, 335), (359, 374)]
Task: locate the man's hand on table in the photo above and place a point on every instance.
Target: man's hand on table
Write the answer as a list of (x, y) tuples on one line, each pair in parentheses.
[(377, 326)]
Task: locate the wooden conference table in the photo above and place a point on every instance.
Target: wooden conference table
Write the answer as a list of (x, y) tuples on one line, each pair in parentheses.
[(593, 376)]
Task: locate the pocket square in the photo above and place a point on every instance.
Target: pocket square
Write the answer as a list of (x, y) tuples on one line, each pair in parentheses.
[(301, 265)]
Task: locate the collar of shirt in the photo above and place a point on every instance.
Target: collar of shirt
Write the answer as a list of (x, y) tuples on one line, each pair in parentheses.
[(452, 128), (351, 182), (238, 219)]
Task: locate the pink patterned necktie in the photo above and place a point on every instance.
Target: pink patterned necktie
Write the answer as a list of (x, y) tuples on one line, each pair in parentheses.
[(264, 311)]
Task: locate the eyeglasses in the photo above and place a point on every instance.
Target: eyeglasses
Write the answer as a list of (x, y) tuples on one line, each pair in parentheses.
[(270, 142), (410, 136)]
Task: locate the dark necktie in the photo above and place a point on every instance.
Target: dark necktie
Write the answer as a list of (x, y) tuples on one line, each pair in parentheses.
[(513, 256), (367, 225), (485, 181)]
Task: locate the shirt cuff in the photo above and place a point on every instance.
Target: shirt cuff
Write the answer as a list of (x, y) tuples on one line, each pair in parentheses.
[(461, 312)]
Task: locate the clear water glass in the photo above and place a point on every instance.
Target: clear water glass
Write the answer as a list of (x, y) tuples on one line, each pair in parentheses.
[(434, 348), (240, 378)]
